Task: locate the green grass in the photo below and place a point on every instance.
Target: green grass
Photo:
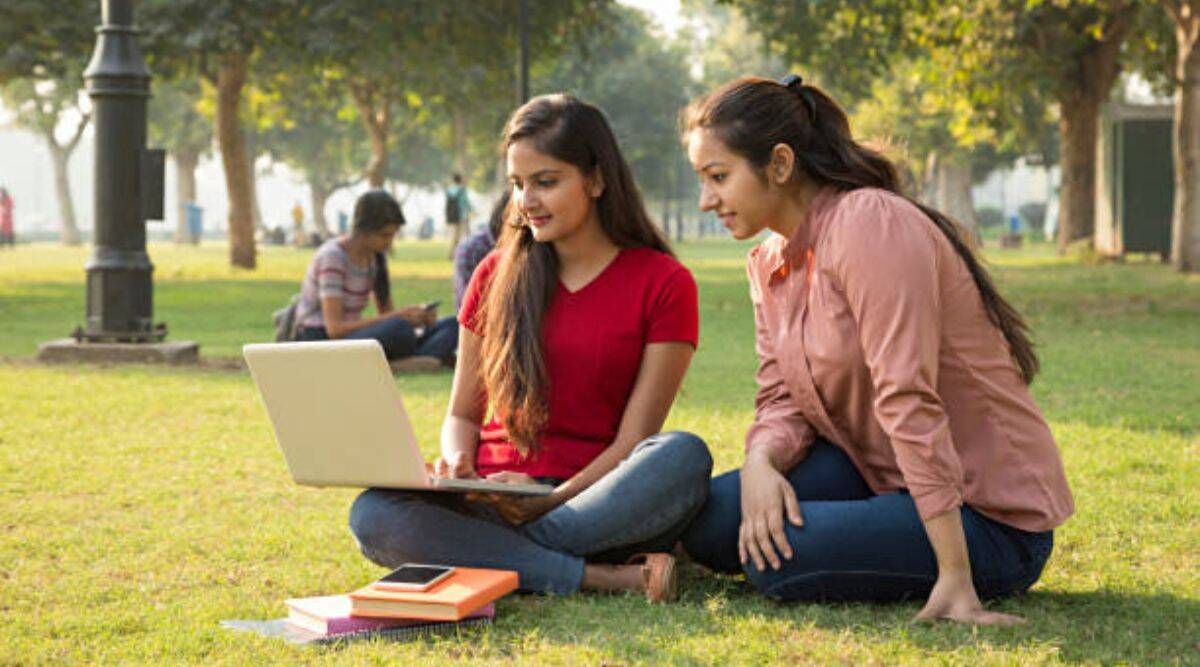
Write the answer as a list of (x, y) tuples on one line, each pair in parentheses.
[(141, 505)]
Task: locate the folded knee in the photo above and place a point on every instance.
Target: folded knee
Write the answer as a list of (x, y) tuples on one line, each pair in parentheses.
[(376, 520), (402, 334), (367, 518), (685, 452)]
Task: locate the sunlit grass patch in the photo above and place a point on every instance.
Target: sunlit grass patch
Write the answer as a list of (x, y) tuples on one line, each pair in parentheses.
[(139, 506)]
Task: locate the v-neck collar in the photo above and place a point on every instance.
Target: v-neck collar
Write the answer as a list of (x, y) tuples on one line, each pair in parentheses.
[(595, 279)]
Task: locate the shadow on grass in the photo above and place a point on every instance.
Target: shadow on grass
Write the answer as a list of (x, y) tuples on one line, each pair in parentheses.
[(221, 315), (1096, 626), (1088, 626)]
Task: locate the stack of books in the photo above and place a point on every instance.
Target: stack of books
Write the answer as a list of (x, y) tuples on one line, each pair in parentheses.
[(464, 599)]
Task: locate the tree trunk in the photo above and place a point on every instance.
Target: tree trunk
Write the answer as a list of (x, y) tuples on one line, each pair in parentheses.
[(252, 160), (929, 182), (1077, 201), (376, 170), (946, 187), (954, 187), (61, 157), (1079, 110), (459, 129), (1185, 224), (185, 190), (230, 79), (319, 194), (376, 113)]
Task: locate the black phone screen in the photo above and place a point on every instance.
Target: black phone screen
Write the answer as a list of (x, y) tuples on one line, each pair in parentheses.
[(415, 574)]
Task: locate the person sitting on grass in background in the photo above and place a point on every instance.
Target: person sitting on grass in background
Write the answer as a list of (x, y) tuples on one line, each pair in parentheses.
[(577, 332), (343, 274), (471, 251), (896, 450)]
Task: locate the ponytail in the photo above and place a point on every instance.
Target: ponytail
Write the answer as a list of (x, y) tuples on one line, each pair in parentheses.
[(383, 282), (998, 309), (752, 115)]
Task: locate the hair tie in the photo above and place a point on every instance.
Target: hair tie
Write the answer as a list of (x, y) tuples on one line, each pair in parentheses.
[(795, 83)]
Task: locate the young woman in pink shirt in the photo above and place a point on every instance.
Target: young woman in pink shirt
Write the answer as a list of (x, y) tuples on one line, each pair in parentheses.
[(896, 450)]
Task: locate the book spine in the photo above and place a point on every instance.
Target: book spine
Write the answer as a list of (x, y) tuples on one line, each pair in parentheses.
[(336, 626), (408, 631)]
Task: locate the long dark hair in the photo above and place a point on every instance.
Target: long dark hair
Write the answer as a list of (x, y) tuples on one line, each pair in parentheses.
[(514, 363), (752, 115), (376, 210), (499, 211)]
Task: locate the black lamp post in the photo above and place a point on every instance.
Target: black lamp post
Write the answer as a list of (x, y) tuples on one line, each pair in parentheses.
[(129, 190), (129, 186)]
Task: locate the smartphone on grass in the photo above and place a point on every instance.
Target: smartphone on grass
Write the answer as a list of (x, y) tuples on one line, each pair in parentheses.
[(413, 577)]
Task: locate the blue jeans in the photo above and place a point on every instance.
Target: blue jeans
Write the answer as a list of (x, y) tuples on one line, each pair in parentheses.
[(400, 340), (855, 545), (641, 505)]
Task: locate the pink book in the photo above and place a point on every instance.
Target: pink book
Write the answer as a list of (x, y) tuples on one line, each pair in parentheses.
[(330, 615)]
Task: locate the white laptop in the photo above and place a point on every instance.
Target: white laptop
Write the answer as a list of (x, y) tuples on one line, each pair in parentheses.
[(340, 422)]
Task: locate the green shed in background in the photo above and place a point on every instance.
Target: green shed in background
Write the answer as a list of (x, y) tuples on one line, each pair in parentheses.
[(1135, 180)]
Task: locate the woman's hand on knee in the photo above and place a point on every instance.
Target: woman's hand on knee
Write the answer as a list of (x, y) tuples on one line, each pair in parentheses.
[(953, 598), (766, 497)]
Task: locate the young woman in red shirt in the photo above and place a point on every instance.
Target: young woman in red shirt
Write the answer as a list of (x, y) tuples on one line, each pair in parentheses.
[(576, 332), (896, 450)]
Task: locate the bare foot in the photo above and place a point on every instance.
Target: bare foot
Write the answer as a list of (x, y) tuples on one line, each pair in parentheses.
[(654, 574)]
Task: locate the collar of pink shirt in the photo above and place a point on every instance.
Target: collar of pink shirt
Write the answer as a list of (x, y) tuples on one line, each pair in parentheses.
[(796, 251)]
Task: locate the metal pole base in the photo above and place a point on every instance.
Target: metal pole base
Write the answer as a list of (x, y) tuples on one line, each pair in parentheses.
[(155, 335)]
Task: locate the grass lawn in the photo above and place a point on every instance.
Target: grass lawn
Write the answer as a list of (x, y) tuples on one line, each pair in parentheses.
[(141, 505)]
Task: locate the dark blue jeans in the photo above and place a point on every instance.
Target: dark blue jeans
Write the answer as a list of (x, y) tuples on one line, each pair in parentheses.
[(641, 505), (400, 340), (855, 545)]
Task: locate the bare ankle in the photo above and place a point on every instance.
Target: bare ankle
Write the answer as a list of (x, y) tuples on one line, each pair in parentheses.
[(613, 577)]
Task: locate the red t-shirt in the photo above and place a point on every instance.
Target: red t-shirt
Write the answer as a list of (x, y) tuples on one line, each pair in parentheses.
[(593, 341)]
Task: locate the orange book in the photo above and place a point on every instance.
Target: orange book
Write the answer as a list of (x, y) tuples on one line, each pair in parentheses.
[(451, 599)]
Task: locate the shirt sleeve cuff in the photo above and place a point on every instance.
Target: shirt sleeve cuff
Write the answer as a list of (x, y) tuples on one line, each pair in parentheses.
[(937, 501), (676, 338), (785, 452)]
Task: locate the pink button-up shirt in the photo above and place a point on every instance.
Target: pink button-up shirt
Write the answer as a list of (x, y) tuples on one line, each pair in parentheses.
[(872, 334)]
